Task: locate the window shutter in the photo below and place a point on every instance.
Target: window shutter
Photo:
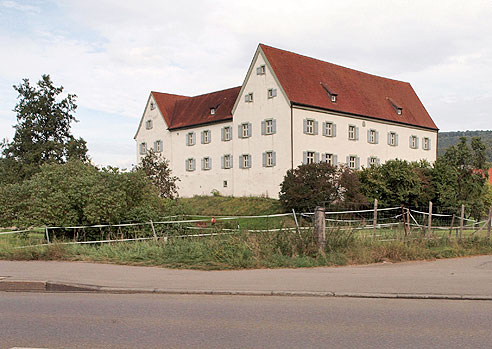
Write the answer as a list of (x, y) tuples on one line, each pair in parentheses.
[(357, 163), (378, 161), (389, 138), (194, 164), (187, 139), (304, 157), (186, 164), (232, 161), (410, 141), (249, 129), (357, 133), (324, 129), (194, 139), (368, 162), (258, 71), (348, 160), (429, 144), (203, 163), (377, 137), (222, 162), (240, 161), (274, 126), (323, 157), (368, 136), (222, 134), (263, 127), (305, 126), (335, 160), (155, 146), (239, 131), (396, 138), (203, 137), (210, 163), (274, 92), (246, 98), (250, 160), (417, 143), (316, 157), (274, 158), (264, 155), (315, 127)]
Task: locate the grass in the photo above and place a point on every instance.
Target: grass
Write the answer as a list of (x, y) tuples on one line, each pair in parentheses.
[(230, 206), (249, 250)]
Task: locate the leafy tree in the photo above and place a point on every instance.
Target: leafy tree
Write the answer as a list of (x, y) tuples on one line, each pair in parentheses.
[(157, 169), (458, 177), (398, 182), (42, 133), (322, 184)]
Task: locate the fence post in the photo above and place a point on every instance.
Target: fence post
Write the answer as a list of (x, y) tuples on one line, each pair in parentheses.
[(375, 220), (319, 227), (429, 227), (490, 223), (408, 220), (153, 230), (47, 235), (297, 224), (404, 222), (452, 226), (462, 219)]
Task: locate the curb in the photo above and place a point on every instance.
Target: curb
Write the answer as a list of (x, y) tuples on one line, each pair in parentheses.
[(59, 287)]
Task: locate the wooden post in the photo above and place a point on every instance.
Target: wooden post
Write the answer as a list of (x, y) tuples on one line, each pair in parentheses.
[(319, 227), (490, 223), (403, 218), (462, 220), (452, 226), (375, 220), (408, 220), (429, 226), (153, 230), (47, 235)]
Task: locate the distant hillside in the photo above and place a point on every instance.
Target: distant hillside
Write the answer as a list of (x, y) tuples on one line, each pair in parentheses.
[(447, 139)]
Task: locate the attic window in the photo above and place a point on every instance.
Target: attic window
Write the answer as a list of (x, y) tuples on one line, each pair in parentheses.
[(260, 70), (212, 111), (333, 95), (398, 109), (152, 105)]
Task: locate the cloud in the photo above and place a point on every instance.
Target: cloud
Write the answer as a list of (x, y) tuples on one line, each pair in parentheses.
[(16, 6)]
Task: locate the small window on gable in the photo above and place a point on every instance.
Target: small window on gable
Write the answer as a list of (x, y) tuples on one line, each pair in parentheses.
[(249, 97), (272, 92), (148, 124), (260, 70), (152, 105)]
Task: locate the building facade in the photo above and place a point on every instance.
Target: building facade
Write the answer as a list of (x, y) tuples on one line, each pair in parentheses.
[(290, 109)]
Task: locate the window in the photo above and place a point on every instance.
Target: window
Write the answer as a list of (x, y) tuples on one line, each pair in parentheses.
[(245, 130), (372, 136), (310, 157), (310, 127), (143, 148), (212, 111), (226, 133), (398, 111), (148, 124), (152, 105), (426, 143), (269, 159), (268, 127), (272, 92), (190, 164), (353, 132), (225, 184), (333, 98), (227, 161), (353, 162), (245, 161), (260, 70), (330, 159), (414, 142), (249, 97), (329, 129), (206, 163), (372, 161), (392, 139), (190, 138), (206, 136), (158, 146)]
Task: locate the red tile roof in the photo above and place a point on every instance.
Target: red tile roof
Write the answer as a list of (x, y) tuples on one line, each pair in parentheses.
[(182, 111), (306, 79)]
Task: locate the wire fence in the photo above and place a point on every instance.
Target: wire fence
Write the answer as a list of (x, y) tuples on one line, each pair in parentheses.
[(384, 224)]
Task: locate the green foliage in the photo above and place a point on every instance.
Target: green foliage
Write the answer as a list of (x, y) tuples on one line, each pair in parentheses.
[(78, 193), (42, 134), (448, 139), (318, 184), (156, 168), (398, 182), (230, 206)]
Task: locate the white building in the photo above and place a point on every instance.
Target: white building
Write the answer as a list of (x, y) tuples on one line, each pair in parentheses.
[(290, 109)]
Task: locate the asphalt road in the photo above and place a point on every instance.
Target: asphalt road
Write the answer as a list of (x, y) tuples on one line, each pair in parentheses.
[(148, 321)]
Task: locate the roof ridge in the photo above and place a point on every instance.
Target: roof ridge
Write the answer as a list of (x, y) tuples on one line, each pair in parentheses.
[(334, 64), (209, 93)]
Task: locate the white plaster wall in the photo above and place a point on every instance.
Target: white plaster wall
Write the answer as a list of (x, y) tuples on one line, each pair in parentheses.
[(259, 180), (343, 147)]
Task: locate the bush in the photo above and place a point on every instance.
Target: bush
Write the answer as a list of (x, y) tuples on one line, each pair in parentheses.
[(319, 184)]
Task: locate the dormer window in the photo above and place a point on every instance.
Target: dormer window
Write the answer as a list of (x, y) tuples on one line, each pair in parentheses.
[(212, 111), (333, 95), (398, 111), (396, 107), (333, 98)]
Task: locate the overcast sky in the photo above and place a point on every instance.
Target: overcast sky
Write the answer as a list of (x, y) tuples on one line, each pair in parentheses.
[(112, 53)]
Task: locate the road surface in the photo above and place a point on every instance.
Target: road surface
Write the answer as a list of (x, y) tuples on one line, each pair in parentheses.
[(64, 320)]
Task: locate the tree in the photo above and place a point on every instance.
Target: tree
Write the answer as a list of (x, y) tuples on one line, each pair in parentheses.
[(42, 133), (315, 184), (156, 168)]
